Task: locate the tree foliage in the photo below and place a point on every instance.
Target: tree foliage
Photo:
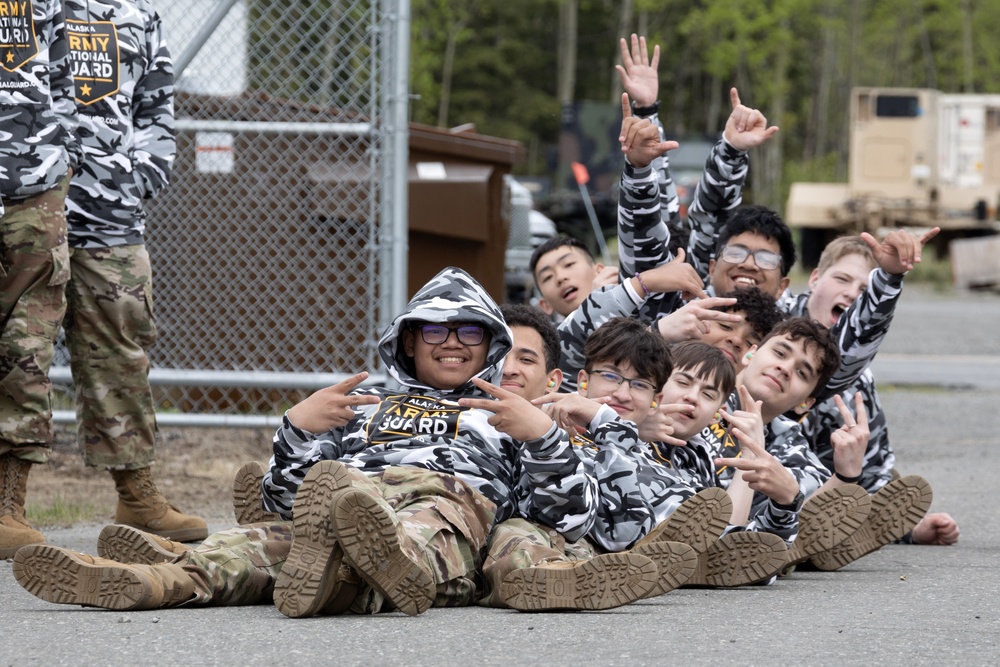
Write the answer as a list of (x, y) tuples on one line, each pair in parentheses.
[(796, 60)]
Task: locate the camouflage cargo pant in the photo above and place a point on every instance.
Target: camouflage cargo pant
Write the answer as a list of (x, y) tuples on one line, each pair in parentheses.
[(516, 544), (34, 269), (109, 326), (446, 520)]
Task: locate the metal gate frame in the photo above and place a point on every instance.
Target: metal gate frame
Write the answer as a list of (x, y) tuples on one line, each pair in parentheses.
[(388, 138)]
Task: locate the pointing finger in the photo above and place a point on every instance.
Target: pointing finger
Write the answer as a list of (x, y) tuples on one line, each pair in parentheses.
[(352, 382), (490, 388)]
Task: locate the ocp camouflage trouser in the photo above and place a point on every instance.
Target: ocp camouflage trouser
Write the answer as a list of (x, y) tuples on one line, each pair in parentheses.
[(516, 544), (34, 269), (109, 326), (446, 520)]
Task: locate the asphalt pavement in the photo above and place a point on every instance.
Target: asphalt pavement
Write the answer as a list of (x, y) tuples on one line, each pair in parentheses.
[(907, 605)]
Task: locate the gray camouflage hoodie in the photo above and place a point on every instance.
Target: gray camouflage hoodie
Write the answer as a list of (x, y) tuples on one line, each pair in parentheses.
[(124, 96), (37, 115), (424, 427)]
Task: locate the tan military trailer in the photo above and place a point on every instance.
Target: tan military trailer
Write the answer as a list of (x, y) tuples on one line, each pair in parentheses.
[(918, 158)]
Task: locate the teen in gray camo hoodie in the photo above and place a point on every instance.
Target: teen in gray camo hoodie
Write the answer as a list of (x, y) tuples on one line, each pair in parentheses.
[(424, 427)]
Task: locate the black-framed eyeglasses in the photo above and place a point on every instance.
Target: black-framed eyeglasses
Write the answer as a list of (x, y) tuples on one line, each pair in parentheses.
[(468, 334), (617, 379), (765, 259)]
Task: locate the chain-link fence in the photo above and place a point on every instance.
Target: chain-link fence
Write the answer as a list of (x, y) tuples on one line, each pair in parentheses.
[(276, 249)]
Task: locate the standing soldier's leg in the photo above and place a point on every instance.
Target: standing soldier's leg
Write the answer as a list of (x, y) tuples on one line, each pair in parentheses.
[(109, 327), (34, 269)]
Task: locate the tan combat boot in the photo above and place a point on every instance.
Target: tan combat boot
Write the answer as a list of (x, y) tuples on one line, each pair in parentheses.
[(126, 544), (67, 577), (141, 506), (603, 582), (248, 504), (15, 531)]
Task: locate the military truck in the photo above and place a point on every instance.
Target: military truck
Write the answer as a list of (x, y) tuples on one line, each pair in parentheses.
[(918, 158)]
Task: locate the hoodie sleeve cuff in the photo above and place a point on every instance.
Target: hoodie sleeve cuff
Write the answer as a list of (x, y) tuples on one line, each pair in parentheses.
[(292, 434)]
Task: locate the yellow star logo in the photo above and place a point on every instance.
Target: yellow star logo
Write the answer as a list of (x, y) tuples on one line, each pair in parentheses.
[(85, 90), (10, 56)]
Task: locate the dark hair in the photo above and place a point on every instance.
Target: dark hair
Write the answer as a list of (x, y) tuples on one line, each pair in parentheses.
[(554, 243), (765, 222), (520, 315), (623, 339), (815, 334), (758, 307), (706, 361)]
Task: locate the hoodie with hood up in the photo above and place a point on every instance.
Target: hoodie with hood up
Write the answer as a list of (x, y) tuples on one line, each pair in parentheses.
[(421, 426)]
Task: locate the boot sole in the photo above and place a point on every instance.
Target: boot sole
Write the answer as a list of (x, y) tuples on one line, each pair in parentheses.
[(603, 582), (371, 543), (247, 496), (308, 577), (829, 518), (179, 535), (675, 563), (740, 559), (896, 509), (698, 522), (57, 575), (126, 544)]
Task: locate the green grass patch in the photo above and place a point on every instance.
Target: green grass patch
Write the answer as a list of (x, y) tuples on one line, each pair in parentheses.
[(61, 513), (933, 271)]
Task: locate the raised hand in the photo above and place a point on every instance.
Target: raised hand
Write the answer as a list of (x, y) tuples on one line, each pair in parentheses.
[(746, 128), (572, 412), (900, 251), (659, 425), (762, 471), (850, 441), (606, 275), (640, 139), (674, 276), (512, 414), (748, 418), (638, 71), (330, 407), (689, 321)]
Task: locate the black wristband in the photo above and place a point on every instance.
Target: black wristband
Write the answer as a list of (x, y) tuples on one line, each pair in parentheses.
[(645, 112), (794, 506), (847, 480)]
